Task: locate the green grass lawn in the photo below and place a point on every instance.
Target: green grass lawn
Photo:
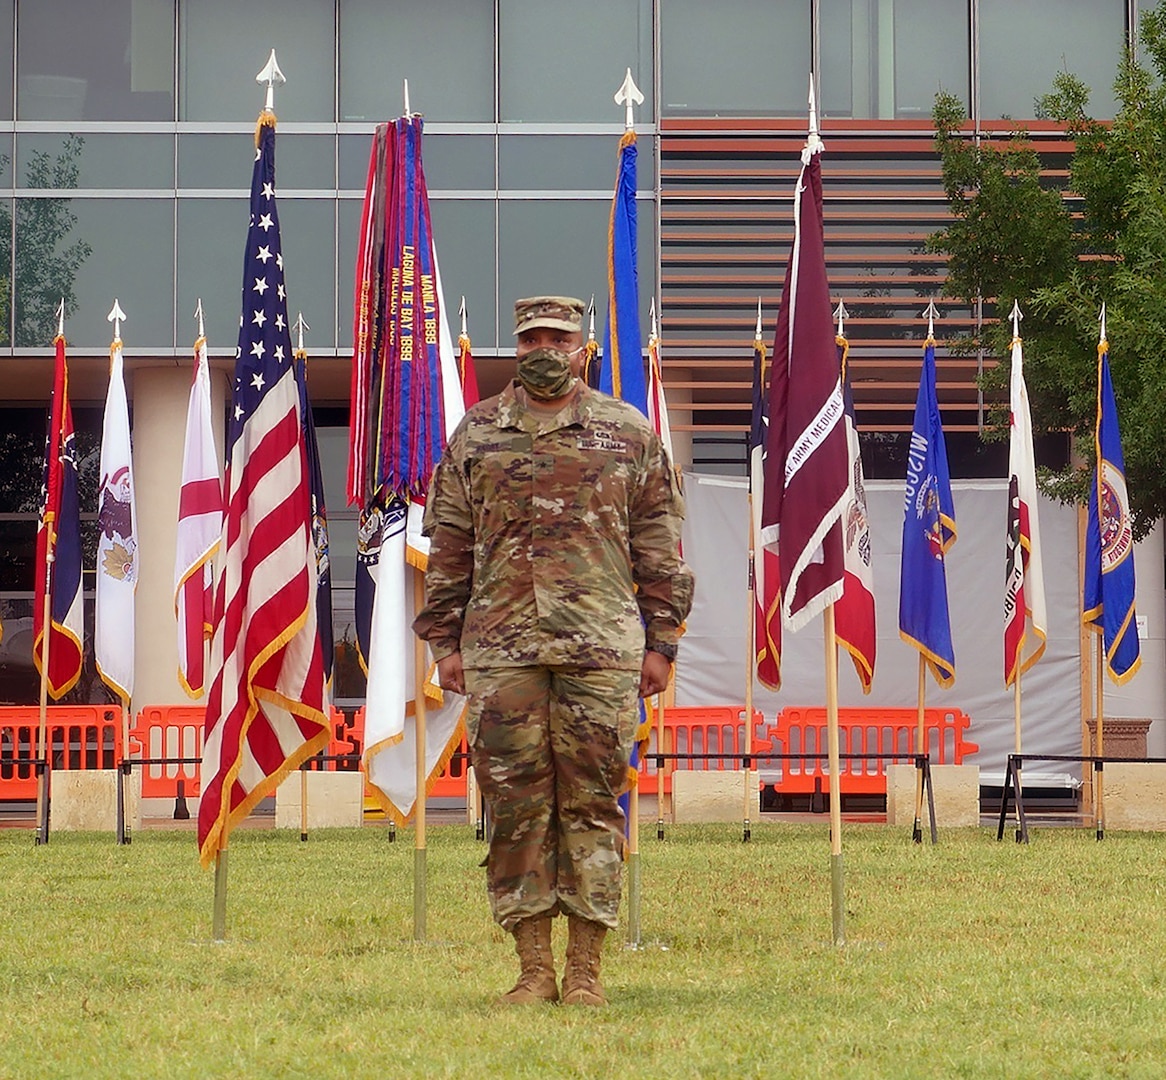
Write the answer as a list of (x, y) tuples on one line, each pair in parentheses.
[(968, 959)]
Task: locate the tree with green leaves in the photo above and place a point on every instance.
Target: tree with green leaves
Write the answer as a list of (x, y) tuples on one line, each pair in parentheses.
[(47, 261), (1062, 254)]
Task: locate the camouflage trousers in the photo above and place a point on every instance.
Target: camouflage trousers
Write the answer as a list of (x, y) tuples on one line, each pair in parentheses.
[(551, 748)]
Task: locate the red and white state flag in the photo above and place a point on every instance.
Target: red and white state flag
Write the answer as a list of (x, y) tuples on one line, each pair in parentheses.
[(1025, 620), (200, 524)]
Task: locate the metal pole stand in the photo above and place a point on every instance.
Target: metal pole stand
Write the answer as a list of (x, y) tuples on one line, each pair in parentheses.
[(1011, 781), (123, 832)]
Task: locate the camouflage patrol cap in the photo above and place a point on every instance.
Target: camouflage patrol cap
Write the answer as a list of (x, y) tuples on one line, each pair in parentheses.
[(556, 312)]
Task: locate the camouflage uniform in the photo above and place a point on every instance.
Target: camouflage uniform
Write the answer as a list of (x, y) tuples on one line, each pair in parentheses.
[(554, 547)]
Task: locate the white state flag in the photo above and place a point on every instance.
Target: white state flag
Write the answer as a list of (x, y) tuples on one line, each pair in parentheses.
[(117, 541), (390, 757), (200, 524)]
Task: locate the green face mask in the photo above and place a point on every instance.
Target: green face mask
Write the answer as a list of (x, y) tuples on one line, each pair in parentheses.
[(546, 373)]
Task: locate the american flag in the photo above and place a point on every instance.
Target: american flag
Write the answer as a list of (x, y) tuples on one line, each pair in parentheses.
[(267, 707)]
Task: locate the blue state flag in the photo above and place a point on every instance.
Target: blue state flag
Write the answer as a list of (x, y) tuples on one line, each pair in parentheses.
[(1109, 541), (928, 532), (622, 370)]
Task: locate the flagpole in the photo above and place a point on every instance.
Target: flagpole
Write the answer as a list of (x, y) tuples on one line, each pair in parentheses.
[(419, 716), (660, 768), (117, 317), (837, 880), (1099, 750), (750, 655), (1016, 723), (42, 832), (634, 865), (219, 922), (920, 735)]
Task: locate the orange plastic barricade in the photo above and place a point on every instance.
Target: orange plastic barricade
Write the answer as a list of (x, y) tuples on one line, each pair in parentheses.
[(861, 731), (79, 737), (168, 731), (715, 729), (348, 738)]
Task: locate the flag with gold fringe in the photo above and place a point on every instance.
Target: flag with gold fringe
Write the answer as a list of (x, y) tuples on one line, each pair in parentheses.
[(58, 546), (854, 612), (1025, 617), (766, 570), (200, 526), (928, 533), (1110, 587), (407, 396), (267, 710), (117, 566)]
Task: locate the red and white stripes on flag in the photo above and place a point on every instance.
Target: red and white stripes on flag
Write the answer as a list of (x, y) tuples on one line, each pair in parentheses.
[(267, 707), (200, 524), (1025, 619), (806, 487), (657, 405), (854, 613)]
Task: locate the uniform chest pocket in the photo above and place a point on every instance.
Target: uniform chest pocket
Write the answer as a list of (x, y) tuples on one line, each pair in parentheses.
[(501, 485), (602, 489)]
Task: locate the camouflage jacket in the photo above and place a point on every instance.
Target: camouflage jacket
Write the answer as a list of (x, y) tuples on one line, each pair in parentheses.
[(552, 537)]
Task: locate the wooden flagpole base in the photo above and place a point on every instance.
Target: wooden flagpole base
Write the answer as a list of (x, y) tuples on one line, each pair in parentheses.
[(920, 736), (419, 897), (420, 715), (219, 920), (837, 879), (634, 866)]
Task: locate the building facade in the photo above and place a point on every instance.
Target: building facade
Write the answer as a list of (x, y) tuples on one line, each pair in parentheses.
[(125, 156)]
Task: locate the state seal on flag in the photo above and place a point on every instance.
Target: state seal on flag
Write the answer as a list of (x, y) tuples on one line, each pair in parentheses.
[(1117, 534)]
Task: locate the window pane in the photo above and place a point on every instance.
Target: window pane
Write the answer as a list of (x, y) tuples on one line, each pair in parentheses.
[(560, 247), (225, 43), (349, 218), (932, 52), (225, 161), (5, 162), (1023, 46), (570, 162), (748, 59), (464, 234), (211, 235), (445, 48), (77, 60), (452, 162), (79, 247), (95, 161), (22, 456), (562, 62), (308, 231), (886, 59)]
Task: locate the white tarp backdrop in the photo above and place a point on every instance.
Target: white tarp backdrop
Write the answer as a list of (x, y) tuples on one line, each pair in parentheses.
[(712, 668)]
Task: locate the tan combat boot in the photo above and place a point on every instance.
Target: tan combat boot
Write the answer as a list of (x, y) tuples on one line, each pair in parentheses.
[(581, 984), (532, 941)]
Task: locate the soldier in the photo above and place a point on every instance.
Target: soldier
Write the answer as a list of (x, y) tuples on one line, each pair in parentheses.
[(555, 596)]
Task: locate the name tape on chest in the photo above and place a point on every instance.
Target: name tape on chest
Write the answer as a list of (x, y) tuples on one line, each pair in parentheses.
[(601, 440)]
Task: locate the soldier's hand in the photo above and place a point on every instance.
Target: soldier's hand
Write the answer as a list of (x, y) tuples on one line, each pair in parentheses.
[(450, 675), (654, 674)]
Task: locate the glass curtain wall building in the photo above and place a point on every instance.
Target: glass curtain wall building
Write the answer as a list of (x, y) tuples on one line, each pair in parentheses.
[(126, 147)]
